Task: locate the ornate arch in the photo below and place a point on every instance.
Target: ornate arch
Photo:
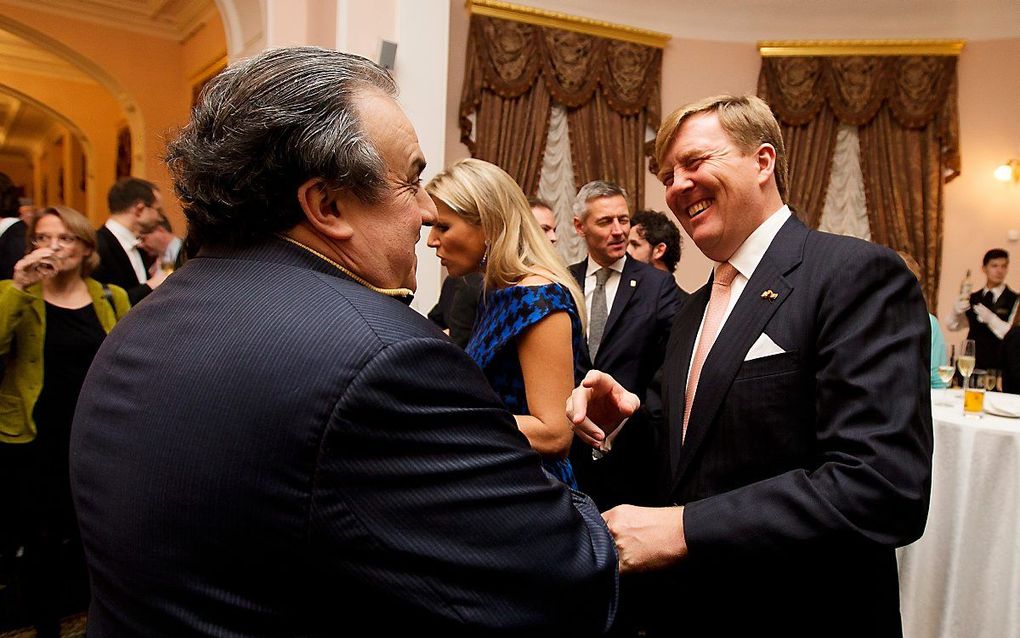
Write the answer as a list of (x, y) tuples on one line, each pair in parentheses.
[(133, 115), (86, 143)]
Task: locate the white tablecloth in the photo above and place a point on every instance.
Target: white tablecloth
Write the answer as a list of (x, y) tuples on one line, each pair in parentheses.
[(962, 578)]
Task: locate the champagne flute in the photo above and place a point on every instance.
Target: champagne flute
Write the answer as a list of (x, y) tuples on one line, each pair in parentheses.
[(965, 362), (946, 371), (991, 380)]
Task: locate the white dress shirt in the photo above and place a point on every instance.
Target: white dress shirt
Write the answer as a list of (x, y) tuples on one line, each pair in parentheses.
[(612, 284), (745, 260), (129, 242)]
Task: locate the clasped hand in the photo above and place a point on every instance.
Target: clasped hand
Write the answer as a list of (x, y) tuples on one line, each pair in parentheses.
[(984, 315), (598, 406)]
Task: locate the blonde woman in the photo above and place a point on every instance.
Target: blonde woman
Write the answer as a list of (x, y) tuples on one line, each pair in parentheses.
[(528, 334)]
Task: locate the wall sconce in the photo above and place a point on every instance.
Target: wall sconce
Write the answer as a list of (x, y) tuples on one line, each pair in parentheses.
[(1009, 172)]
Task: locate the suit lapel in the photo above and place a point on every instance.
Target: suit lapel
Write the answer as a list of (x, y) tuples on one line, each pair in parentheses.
[(578, 270), (116, 250), (679, 352), (745, 324)]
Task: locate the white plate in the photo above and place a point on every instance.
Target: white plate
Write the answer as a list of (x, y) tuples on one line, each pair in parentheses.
[(1001, 405)]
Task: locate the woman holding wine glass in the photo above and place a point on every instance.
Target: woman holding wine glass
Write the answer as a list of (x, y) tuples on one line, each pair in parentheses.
[(53, 318)]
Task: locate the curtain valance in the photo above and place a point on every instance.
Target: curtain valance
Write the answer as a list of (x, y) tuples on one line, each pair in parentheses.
[(508, 58)]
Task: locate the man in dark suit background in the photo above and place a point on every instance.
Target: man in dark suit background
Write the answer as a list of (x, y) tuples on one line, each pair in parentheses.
[(798, 450), (989, 312), (12, 228), (654, 240), (630, 309), (274, 443), (135, 207)]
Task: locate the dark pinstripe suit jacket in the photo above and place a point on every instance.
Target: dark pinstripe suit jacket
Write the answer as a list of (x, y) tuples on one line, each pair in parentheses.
[(266, 448), (801, 471)]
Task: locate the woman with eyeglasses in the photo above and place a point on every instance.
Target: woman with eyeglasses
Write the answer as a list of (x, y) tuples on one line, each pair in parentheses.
[(53, 318)]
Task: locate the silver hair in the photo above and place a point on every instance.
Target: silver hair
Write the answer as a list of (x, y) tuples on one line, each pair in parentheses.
[(263, 127), (594, 190)]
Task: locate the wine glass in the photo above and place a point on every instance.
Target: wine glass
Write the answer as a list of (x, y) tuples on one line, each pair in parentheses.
[(965, 362), (991, 380), (946, 371)]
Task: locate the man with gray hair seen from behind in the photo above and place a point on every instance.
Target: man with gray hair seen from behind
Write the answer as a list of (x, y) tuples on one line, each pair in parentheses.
[(275, 444)]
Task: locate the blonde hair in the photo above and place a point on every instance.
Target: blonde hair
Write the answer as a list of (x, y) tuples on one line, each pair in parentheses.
[(77, 225), (484, 195), (746, 119)]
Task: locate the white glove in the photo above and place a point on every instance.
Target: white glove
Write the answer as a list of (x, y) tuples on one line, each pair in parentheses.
[(998, 326), (962, 306), (984, 315)]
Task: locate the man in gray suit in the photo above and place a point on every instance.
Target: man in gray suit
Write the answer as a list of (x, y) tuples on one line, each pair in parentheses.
[(274, 444)]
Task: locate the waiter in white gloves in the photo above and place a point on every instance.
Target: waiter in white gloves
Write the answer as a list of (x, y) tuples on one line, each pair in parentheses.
[(989, 311)]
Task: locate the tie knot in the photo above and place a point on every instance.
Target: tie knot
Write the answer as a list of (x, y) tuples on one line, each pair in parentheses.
[(602, 276), (724, 274)]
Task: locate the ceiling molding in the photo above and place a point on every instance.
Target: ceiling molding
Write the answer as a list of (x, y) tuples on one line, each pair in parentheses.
[(173, 20), (19, 55), (10, 106), (556, 20), (833, 48)]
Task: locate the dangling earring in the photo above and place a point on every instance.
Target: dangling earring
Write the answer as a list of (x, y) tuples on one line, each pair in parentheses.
[(485, 256)]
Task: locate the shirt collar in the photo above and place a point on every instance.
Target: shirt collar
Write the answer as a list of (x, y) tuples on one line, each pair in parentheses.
[(593, 266), (123, 234), (998, 290), (751, 252)]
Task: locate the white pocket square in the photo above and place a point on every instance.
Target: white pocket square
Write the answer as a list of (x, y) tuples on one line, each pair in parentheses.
[(763, 347)]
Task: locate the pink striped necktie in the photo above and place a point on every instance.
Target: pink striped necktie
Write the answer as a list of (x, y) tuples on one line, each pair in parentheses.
[(717, 303)]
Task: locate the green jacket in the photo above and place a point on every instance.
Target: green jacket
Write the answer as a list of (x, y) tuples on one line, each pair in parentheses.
[(22, 334)]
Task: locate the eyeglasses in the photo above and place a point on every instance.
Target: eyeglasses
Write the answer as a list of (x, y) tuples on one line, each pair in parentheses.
[(65, 240)]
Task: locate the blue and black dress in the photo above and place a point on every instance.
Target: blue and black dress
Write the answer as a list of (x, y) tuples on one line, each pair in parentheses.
[(503, 315)]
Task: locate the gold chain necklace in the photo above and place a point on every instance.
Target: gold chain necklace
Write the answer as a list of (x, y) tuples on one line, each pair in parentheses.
[(389, 292)]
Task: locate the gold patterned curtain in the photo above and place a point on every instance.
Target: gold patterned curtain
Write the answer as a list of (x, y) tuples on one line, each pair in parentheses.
[(610, 89), (905, 108)]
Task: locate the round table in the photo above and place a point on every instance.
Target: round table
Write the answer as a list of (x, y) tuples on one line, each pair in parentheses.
[(962, 577)]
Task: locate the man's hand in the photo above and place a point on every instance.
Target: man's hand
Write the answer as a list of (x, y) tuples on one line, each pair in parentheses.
[(157, 279), (597, 407), (647, 538)]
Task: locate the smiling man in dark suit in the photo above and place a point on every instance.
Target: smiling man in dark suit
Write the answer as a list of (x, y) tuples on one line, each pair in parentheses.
[(274, 443), (630, 309), (796, 406), (135, 206)]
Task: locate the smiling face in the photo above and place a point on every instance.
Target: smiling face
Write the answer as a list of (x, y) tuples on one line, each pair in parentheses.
[(458, 243), (717, 191), (605, 228)]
